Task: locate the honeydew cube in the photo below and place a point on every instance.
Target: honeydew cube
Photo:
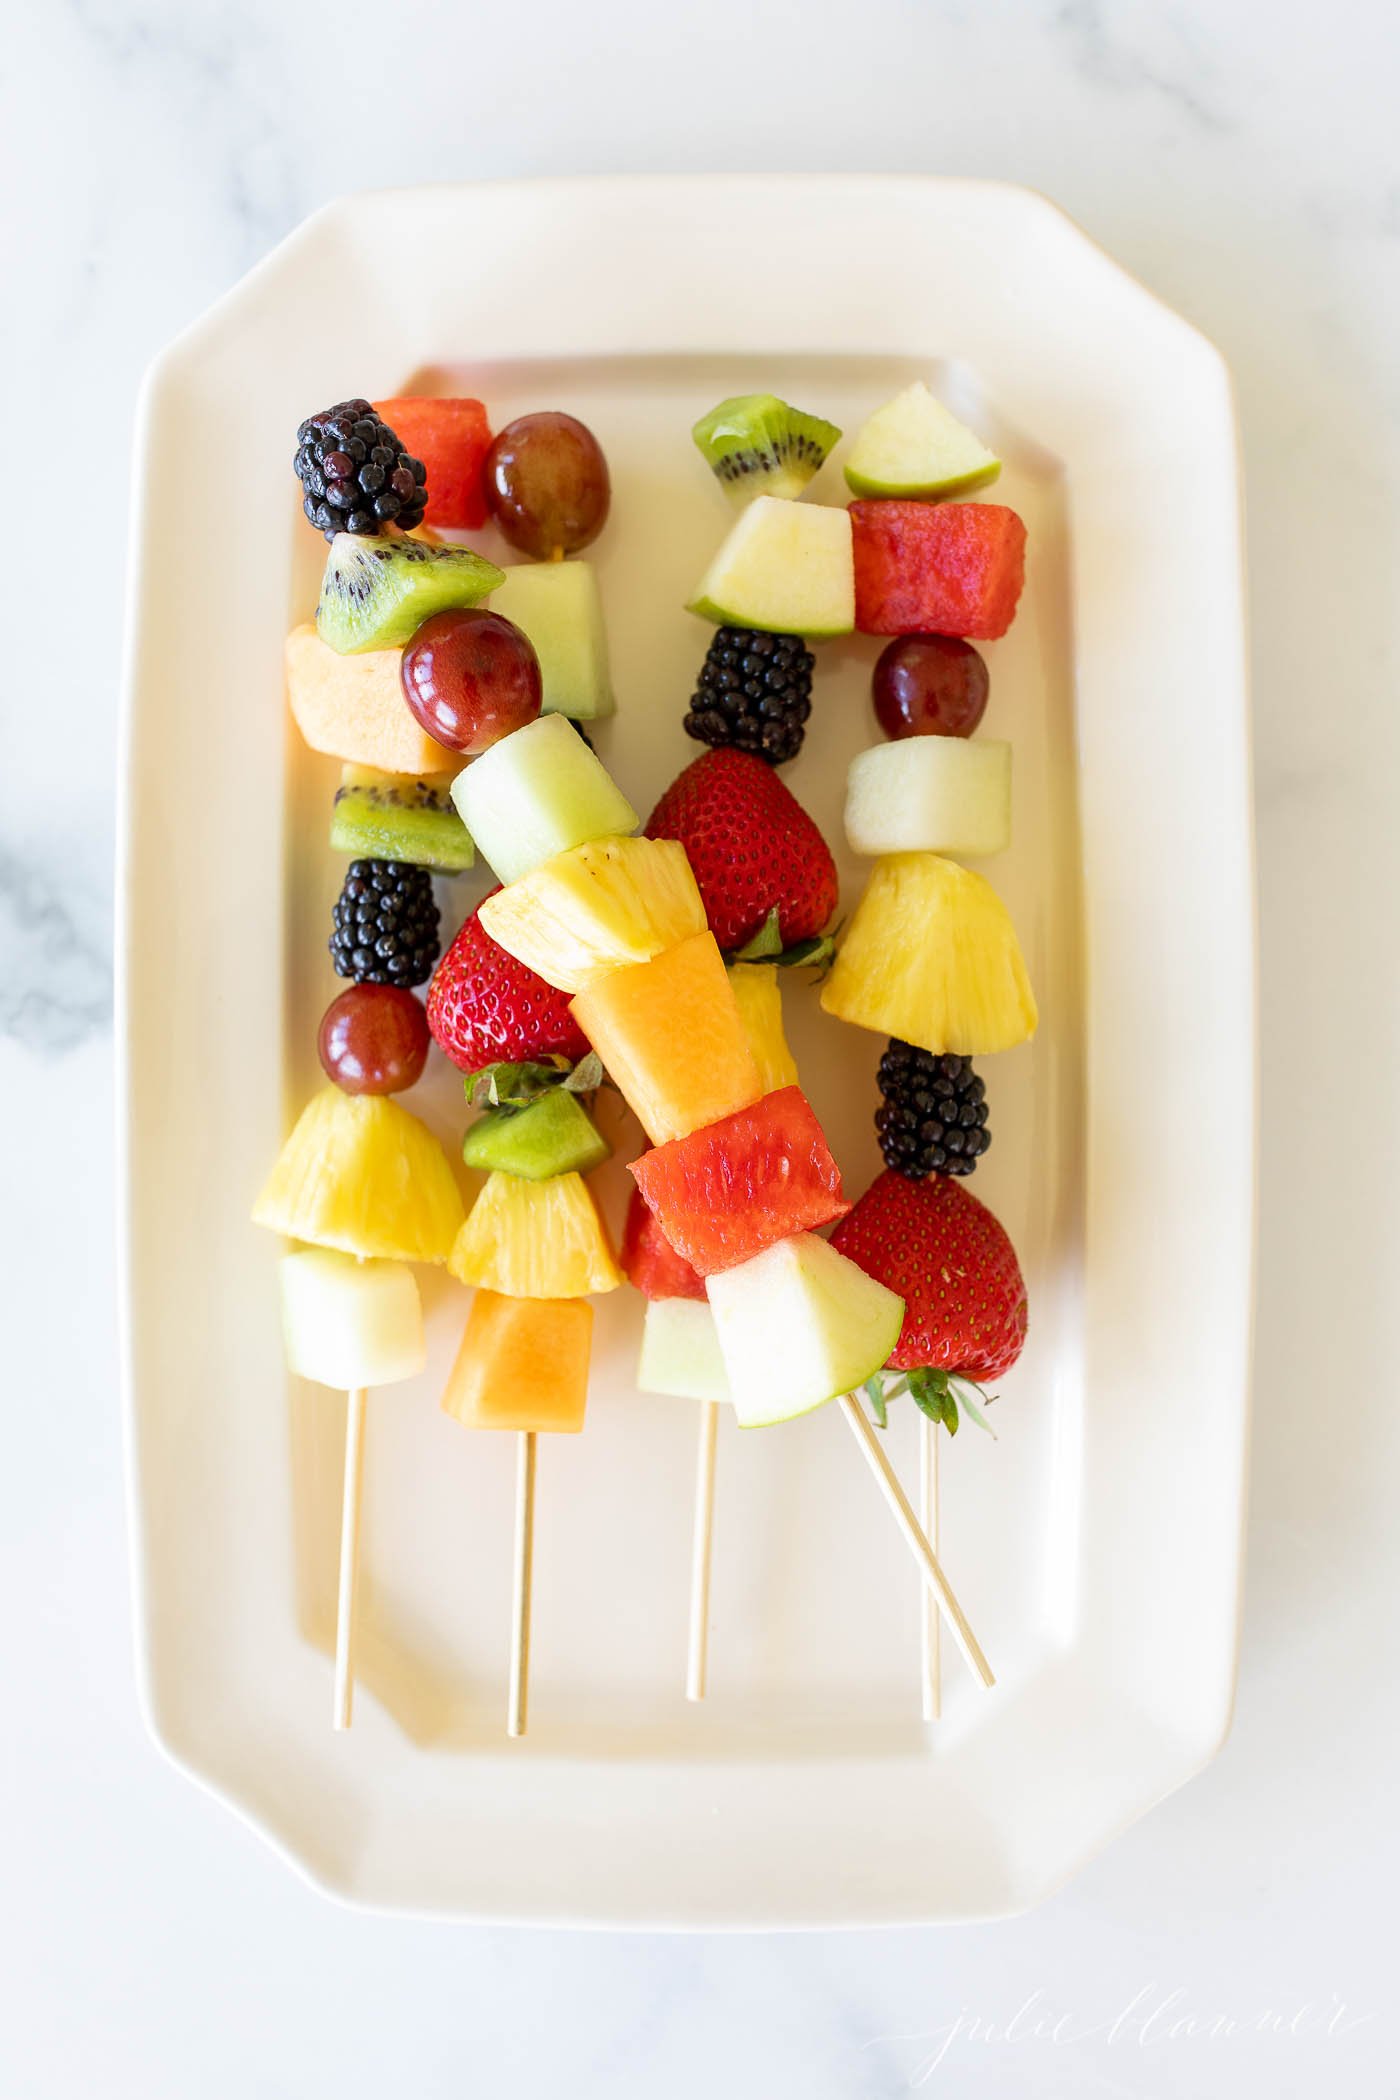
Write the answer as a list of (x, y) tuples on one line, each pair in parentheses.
[(556, 604), (601, 906), (930, 794), (798, 1325), (523, 1365), (681, 1355), (537, 793), (350, 1323), (787, 567)]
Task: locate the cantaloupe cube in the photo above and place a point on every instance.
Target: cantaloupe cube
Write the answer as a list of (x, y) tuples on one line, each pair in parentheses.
[(523, 1364), (670, 1033), (352, 707)]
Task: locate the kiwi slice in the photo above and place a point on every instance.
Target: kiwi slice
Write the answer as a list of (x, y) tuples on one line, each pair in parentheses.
[(377, 591), (554, 1135), (384, 816), (760, 446)]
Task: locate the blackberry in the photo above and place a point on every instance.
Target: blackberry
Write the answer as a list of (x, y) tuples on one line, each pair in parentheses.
[(754, 693), (934, 1116), (356, 475), (386, 924)]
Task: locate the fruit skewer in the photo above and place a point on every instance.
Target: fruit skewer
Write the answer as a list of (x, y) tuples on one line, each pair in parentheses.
[(930, 957), (737, 1178)]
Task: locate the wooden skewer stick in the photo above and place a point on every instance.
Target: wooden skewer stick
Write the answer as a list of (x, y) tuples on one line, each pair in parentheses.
[(349, 1557), (700, 1551), (864, 1433), (520, 1601), (930, 1624)]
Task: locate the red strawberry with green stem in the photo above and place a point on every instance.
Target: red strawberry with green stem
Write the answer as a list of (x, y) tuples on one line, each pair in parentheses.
[(753, 848), (956, 1270), (485, 1008)]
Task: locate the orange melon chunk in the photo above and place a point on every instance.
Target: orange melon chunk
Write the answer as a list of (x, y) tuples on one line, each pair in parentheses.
[(352, 707), (671, 1035), (523, 1364)]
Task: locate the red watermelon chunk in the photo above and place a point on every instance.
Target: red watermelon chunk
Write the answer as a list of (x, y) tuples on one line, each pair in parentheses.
[(452, 438), (936, 568), (650, 1261), (727, 1191)]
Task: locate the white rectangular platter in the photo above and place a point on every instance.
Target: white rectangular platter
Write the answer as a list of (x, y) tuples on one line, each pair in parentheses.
[(1096, 1543)]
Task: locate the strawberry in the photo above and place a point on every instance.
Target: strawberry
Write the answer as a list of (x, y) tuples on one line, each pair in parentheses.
[(957, 1272), (484, 1007), (752, 845)]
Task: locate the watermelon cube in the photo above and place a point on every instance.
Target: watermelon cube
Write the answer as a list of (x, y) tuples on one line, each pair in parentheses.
[(727, 1191), (650, 1261), (452, 438), (937, 568)]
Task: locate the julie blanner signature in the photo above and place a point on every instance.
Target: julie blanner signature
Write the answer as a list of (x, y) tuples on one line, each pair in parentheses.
[(1151, 2018)]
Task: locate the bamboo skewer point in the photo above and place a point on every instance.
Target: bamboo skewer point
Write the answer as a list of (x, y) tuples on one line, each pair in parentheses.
[(697, 1657), (930, 1624), (865, 1435), (349, 1558), (517, 1712)]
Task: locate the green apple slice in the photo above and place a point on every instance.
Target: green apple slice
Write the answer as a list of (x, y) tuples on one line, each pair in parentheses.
[(680, 1351), (798, 1325), (556, 604), (785, 566), (916, 447)]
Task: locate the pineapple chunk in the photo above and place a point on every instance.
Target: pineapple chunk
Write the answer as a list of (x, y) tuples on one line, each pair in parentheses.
[(599, 907), (931, 956), (535, 1239), (760, 1001), (360, 1173), (350, 1323), (523, 1365)]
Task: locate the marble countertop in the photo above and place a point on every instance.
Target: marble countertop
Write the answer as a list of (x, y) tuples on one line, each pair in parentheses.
[(1243, 163)]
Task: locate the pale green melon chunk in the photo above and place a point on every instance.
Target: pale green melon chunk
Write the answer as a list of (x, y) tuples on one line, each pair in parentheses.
[(537, 793), (556, 603), (350, 1323), (680, 1351), (930, 794)]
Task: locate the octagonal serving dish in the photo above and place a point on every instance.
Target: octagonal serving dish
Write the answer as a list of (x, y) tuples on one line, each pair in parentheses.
[(1096, 1544)]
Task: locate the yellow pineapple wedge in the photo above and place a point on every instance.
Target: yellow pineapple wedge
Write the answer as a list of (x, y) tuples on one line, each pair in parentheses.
[(361, 1174), (535, 1239), (599, 907), (931, 956), (760, 1002)]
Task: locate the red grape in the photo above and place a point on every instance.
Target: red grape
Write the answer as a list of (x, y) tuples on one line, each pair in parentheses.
[(374, 1039), (470, 678), (547, 484), (929, 685)]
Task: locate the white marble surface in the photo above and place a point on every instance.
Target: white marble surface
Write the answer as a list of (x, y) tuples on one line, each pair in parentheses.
[(1243, 162)]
